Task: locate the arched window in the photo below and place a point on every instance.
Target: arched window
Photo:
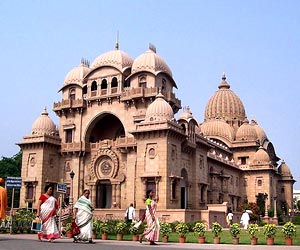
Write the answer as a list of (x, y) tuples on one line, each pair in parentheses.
[(84, 90), (143, 81), (72, 95), (104, 84), (94, 86), (126, 84), (114, 82)]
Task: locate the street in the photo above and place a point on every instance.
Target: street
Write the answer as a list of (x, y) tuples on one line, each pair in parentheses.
[(29, 241)]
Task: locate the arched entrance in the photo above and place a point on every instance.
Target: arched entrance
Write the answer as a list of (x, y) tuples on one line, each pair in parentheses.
[(183, 189), (103, 194)]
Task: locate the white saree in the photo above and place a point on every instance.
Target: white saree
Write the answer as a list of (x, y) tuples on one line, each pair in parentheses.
[(84, 218), (47, 215)]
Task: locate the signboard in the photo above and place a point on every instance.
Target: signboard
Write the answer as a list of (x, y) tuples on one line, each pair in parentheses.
[(61, 187), (13, 182)]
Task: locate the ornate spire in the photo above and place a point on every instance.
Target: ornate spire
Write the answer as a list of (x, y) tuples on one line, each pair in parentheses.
[(224, 84), (117, 41)]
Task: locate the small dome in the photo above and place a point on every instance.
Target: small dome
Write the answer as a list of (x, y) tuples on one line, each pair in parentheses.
[(151, 62), (44, 125), (246, 132), (159, 110), (259, 131), (186, 114), (284, 169), (261, 156), (115, 58), (77, 74), (217, 128), (225, 104)]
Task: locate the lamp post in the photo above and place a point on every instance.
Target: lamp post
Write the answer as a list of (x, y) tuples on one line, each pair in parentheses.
[(72, 174), (266, 206), (275, 207)]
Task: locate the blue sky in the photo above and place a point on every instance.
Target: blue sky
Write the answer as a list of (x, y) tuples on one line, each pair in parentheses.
[(256, 43)]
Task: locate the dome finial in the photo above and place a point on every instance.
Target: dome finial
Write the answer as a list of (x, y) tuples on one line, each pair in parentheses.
[(117, 41), (45, 112), (152, 47), (224, 84)]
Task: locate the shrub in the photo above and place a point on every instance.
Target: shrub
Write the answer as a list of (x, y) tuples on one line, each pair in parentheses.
[(165, 229), (103, 227), (216, 229), (289, 230), (269, 230), (121, 227), (253, 230), (182, 229), (199, 229), (235, 230)]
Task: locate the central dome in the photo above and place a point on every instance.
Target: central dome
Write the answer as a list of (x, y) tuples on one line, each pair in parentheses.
[(225, 104), (151, 62), (115, 58)]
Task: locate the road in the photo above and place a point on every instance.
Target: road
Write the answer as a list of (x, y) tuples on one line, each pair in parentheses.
[(29, 241)]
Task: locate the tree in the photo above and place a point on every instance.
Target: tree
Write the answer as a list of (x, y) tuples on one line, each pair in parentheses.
[(11, 167)]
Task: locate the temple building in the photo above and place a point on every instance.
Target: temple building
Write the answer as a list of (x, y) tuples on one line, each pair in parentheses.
[(118, 135)]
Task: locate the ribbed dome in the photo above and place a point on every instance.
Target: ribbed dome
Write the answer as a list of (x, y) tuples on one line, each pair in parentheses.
[(246, 132), (77, 74), (284, 169), (159, 110), (225, 104), (115, 58), (217, 128), (259, 131), (44, 125), (261, 156), (151, 62)]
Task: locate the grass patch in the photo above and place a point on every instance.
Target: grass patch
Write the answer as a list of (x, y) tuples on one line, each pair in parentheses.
[(225, 237)]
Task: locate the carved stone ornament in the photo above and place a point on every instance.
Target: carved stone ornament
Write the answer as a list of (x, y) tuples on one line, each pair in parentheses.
[(104, 165)]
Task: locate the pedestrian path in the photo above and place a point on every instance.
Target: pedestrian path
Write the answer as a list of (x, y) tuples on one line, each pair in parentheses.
[(162, 245)]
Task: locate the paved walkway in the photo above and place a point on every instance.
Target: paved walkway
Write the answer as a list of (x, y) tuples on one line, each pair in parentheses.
[(166, 245)]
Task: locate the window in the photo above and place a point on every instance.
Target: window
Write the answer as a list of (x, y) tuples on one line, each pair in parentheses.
[(150, 185), (72, 94), (127, 83), (94, 86), (69, 135), (143, 82), (259, 182), (173, 190), (114, 82), (29, 192), (84, 90), (104, 84), (243, 160)]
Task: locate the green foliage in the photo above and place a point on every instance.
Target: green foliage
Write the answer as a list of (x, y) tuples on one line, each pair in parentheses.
[(235, 230), (269, 230), (296, 219), (121, 227), (165, 229), (253, 229), (199, 229), (216, 229), (289, 230), (103, 227), (182, 229)]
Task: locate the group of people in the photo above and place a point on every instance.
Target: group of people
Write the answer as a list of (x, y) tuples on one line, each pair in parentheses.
[(244, 219), (83, 217)]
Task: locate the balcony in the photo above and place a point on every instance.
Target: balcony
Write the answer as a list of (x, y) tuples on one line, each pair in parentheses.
[(68, 104)]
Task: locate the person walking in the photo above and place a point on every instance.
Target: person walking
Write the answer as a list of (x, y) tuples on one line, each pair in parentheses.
[(83, 216), (152, 231), (130, 213), (229, 218), (245, 219), (3, 201), (46, 211)]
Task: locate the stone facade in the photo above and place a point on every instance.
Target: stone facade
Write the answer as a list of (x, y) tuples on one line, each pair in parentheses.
[(118, 134)]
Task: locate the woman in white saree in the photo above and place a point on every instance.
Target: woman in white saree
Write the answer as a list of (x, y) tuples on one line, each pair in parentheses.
[(46, 210), (83, 216)]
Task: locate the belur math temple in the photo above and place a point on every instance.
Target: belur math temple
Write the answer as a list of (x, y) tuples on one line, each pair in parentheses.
[(118, 134)]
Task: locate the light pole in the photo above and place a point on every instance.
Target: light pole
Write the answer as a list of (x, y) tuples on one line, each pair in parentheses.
[(266, 206), (72, 174)]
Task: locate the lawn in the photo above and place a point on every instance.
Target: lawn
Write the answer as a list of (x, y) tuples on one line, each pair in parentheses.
[(226, 237)]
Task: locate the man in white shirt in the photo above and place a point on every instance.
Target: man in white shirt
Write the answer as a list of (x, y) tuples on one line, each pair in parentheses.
[(130, 213)]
